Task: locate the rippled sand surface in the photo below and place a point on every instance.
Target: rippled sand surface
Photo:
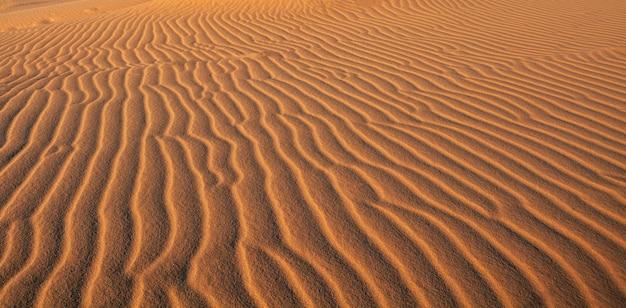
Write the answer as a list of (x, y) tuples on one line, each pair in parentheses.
[(322, 153)]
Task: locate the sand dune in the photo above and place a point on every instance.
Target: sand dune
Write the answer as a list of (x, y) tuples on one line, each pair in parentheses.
[(282, 153)]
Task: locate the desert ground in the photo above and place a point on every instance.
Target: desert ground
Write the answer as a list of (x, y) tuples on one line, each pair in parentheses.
[(317, 153)]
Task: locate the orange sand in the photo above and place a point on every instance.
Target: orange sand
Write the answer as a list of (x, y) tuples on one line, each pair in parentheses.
[(321, 153)]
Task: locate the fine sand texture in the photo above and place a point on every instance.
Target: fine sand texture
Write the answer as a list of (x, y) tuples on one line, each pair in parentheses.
[(319, 153)]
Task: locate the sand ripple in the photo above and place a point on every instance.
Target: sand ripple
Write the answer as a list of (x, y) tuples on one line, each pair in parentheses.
[(282, 153)]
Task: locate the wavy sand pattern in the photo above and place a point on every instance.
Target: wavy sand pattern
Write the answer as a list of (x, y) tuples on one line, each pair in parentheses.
[(320, 153)]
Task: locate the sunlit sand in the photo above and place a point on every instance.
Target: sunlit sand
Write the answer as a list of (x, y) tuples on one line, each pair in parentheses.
[(319, 153)]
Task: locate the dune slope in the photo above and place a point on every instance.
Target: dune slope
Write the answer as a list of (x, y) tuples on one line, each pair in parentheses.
[(283, 153)]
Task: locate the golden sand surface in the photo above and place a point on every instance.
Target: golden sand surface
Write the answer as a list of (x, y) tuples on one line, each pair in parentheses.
[(319, 153)]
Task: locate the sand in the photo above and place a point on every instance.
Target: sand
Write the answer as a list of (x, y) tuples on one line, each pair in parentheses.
[(321, 153)]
